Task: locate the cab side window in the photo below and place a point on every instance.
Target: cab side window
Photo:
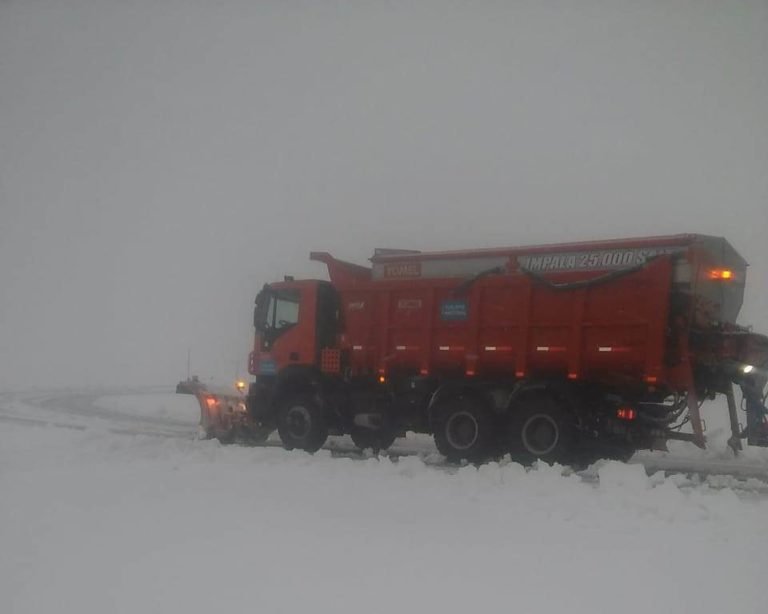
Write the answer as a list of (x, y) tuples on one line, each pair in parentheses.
[(284, 309)]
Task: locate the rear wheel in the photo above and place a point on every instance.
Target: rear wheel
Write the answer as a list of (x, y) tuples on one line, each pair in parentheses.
[(540, 427), (463, 429), (301, 423)]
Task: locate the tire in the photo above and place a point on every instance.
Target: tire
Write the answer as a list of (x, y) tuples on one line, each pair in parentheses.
[(375, 439), (301, 423), (463, 429), (541, 428)]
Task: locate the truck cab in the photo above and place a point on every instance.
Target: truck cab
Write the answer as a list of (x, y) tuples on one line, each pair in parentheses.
[(294, 321)]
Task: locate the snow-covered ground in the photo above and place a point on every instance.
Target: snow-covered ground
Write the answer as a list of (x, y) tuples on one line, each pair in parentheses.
[(178, 408), (97, 517)]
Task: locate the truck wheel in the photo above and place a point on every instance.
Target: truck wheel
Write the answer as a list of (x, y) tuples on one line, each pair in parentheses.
[(376, 439), (463, 429), (301, 424), (540, 428)]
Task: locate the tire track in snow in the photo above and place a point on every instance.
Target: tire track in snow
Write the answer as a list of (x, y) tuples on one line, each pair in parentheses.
[(78, 411)]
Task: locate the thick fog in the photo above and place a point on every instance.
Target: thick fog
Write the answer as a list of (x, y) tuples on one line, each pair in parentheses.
[(160, 161)]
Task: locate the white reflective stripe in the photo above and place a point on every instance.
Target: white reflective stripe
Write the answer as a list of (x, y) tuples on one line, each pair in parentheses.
[(357, 347), (542, 348), (490, 348), (604, 348), (445, 348), (400, 347)]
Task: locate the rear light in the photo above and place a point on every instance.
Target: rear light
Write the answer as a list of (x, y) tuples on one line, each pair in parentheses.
[(626, 413), (724, 274), (211, 402)]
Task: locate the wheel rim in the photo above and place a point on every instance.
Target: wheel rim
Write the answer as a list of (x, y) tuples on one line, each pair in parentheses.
[(541, 434), (462, 430), (298, 422)]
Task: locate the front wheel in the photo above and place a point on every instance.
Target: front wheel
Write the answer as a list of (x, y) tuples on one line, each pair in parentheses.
[(301, 423)]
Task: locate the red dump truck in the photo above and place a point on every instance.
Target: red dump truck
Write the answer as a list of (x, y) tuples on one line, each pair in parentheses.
[(560, 352)]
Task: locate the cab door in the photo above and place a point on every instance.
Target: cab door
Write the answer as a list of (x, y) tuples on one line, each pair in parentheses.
[(285, 325)]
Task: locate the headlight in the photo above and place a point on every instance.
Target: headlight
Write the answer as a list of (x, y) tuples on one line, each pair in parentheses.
[(747, 369)]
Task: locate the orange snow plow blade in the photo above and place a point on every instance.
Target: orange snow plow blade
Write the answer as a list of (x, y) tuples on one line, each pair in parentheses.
[(224, 416)]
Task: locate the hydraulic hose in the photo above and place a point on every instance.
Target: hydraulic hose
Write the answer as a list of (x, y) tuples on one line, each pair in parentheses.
[(587, 283)]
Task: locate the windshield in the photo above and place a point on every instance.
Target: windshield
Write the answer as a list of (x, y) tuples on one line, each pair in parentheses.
[(276, 310)]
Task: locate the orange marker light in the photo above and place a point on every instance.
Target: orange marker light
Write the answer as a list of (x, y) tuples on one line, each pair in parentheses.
[(724, 274), (382, 379)]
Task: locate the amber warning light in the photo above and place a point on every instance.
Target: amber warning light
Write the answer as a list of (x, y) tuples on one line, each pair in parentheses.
[(724, 274)]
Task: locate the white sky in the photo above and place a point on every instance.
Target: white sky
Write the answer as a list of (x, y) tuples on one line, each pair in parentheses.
[(161, 160)]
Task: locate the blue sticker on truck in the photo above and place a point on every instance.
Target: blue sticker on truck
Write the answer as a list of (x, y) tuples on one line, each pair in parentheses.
[(267, 367), (454, 309)]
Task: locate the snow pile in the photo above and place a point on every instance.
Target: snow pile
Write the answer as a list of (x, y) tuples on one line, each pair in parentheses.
[(93, 522)]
